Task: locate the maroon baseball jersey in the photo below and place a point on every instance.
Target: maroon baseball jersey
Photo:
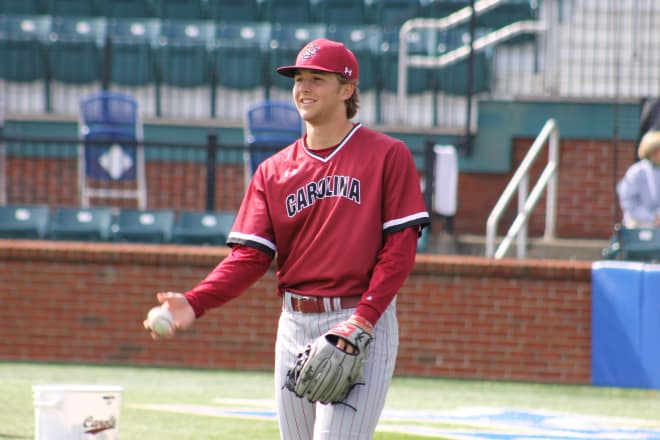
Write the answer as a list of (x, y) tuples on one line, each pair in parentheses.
[(325, 217)]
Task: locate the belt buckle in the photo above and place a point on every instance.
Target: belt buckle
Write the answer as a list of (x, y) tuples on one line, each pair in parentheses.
[(299, 299)]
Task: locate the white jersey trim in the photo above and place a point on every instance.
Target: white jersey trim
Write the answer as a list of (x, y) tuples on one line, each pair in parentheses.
[(404, 220), (251, 237), (339, 147)]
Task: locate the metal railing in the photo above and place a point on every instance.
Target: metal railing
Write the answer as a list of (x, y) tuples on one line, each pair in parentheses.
[(520, 182), (459, 17)]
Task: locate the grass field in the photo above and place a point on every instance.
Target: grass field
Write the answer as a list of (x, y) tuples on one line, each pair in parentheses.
[(212, 389)]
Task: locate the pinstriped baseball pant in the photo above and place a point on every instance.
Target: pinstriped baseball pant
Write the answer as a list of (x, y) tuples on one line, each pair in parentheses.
[(300, 419)]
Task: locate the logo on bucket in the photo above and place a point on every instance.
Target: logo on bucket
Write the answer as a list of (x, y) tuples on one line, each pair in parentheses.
[(93, 426)]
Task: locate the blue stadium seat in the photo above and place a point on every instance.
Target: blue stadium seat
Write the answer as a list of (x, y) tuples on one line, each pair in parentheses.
[(69, 223), (270, 126), (200, 227), (24, 221), (151, 226), (441, 8), (232, 11), (127, 8)]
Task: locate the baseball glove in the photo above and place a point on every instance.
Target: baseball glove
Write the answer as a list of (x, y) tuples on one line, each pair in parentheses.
[(324, 373)]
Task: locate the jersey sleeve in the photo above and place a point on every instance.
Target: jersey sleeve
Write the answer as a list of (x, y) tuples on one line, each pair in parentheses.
[(253, 226), (404, 204)]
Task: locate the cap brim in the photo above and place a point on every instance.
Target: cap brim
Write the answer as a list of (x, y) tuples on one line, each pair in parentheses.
[(290, 71)]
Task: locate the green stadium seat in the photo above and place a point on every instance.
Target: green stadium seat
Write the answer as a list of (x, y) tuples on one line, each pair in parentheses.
[(232, 11), (508, 12), (71, 8), (239, 50), (185, 63), (133, 60), (341, 12), (21, 7), (393, 13), (24, 221), (288, 11), (87, 224), (288, 39), (75, 60), (634, 244), (127, 8), (23, 41), (364, 41), (181, 9), (442, 8), (419, 79), (151, 226), (198, 227), (239, 66)]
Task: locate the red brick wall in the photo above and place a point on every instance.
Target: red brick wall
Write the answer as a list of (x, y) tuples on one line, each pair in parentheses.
[(462, 317), (587, 204)]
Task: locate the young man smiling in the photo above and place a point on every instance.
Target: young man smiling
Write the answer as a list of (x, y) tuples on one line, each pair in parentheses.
[(341, 211)]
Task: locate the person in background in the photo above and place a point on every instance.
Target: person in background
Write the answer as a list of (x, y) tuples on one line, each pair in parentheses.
[(639, 190)]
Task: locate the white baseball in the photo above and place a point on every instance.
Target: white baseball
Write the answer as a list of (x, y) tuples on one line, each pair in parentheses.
[(161, 321)]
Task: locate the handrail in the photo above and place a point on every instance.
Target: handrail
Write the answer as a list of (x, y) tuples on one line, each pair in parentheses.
[(520, 182), (440, 24)]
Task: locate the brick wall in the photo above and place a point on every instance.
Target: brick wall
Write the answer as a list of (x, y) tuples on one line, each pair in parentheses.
[(461, 317), (587, 205)]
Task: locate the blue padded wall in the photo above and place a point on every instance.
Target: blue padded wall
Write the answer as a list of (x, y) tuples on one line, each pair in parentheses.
[(650, 324), (625, 327)]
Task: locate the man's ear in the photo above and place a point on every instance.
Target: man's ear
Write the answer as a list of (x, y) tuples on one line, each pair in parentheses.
[(348, 89)]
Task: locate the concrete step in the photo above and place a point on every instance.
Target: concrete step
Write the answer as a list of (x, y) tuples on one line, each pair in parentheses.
[(558, 248)]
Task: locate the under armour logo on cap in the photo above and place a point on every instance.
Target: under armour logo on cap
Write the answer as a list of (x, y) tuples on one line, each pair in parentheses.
[(326, 56)]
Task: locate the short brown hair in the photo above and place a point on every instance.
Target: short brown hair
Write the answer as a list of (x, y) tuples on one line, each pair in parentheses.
[(352, 103)]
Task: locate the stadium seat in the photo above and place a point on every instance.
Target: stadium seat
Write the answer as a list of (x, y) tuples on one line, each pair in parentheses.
[(133, 60), (75, 60), (239, 67), (419, 79), (340, 12), (24, 221), (634, 244), (269, 126), (181, 9), (152, 226), (70, 223), (364, 42), (232, 11), (21, 7), (127, 8), (288, 11), (199, 227), (392, 13), (23, 41), (287, 40), (71, 8), (185, 62)]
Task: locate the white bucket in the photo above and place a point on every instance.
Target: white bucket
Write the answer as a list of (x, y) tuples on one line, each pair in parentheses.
[(77, 412)]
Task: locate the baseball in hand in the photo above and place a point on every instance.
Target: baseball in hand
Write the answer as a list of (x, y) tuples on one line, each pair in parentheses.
[(161, 321)]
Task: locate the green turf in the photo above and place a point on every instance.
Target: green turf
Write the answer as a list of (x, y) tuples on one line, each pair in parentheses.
[(201, 387)]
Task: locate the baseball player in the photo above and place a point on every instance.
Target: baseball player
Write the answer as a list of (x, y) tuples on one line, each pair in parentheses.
[(340, 210)]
